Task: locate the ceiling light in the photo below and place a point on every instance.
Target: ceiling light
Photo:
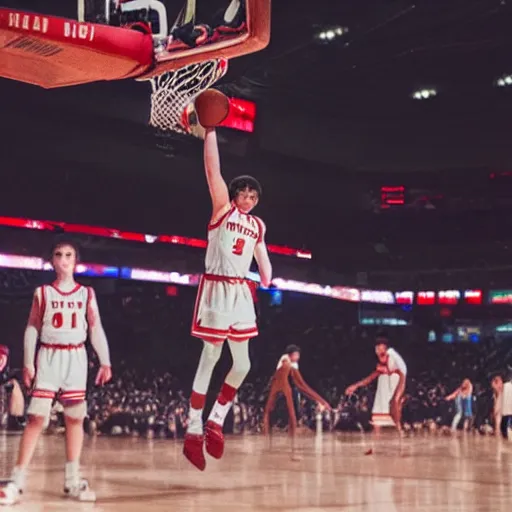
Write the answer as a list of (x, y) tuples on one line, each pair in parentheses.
[(504, 81), (332, 33), (424, 94)]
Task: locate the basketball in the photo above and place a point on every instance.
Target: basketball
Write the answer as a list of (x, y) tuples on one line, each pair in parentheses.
[(212, 108)]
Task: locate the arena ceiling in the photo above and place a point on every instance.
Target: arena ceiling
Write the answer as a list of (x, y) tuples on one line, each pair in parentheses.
[(336, 121), (345, 102)]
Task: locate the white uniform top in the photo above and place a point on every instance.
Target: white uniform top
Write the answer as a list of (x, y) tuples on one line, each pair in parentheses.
[(284, 358), (396, 362), (64, 315), (505, 407), (231, 243)]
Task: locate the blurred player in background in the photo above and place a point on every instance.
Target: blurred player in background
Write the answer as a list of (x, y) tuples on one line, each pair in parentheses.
[(225, 305), (61, 315), (391, 372), (463, 397), (10, 382), (502, 405), (288, 366)]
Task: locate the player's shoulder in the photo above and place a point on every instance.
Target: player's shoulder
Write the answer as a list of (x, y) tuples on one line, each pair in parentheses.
[(261, 225), (220, 215)]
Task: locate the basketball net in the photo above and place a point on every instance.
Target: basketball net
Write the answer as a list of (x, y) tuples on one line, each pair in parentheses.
[(174, 92)]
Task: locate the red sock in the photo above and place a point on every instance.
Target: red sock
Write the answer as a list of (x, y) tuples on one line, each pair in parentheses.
[(197, 400), (227, 394)]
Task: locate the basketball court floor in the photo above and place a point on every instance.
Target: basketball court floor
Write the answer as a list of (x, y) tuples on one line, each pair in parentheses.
[(430, 473)]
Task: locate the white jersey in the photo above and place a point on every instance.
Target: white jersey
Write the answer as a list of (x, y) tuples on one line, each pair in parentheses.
[(231, 243), (395, 362), (505, 400), (284, 358), (64, 315)]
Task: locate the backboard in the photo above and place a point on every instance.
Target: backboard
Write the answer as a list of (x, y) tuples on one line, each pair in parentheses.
[(50, 51)]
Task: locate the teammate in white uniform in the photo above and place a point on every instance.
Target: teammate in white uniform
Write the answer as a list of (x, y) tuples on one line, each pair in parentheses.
[(225, 306), (61, 316), (502, 405), (391, 372)]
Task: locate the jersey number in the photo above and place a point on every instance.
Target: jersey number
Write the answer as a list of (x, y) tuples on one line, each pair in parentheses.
[(238, 246), (58, 320)]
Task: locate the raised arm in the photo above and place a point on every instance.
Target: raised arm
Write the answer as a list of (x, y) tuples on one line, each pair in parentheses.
[(216, 184), (453, 395), (98, 339), (262, 259), (30, 338), (301, 384)]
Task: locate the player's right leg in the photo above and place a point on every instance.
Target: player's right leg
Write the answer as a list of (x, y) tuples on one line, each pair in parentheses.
[(38, 412), (194, 437), (269, 407)]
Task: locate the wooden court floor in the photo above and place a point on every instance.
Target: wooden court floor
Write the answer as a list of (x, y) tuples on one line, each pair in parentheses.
[(424, 473)]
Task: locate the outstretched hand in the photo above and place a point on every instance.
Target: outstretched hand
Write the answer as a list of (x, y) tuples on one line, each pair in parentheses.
[(104, 375), (351, 390)]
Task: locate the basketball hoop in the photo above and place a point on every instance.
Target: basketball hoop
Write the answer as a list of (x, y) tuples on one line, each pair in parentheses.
[(174, 92)]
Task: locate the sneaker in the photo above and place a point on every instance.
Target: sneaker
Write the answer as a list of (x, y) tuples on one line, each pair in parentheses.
[(214, 439), (9, 493), (80, 492), (193, 450)]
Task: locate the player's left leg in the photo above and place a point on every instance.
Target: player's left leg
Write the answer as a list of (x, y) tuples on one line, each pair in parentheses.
[(74, 486), (194, 437), (396, 403), (74, 368), (241, 365)]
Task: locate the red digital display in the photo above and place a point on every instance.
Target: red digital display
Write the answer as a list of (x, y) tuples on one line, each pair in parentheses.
[(404, 298), (392, 196), (473, 297), (448, 297), (242, 115), (426, 298)]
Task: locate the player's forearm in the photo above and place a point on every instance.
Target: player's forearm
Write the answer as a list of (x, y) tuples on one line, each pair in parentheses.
[(264, 265), (265, 270), (303, 386), (216, 184), (368, 380), (100, 344), (29, 346)]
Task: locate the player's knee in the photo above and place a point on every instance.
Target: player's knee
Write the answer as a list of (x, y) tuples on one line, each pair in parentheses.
[(241, 367), (40, 408), (211, 353), (75, 411), (36, 420)]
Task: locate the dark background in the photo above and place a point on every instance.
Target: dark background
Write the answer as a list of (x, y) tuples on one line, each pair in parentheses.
[(335, 123)]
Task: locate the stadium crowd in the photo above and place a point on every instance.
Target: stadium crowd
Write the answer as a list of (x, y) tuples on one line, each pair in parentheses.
[(154, 356)]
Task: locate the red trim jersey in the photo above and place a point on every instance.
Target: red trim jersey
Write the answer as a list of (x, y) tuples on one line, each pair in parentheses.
[(64, 315), (231, 243)]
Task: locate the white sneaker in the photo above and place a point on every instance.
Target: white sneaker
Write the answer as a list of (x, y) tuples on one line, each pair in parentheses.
[(9, 493), (80, 492)]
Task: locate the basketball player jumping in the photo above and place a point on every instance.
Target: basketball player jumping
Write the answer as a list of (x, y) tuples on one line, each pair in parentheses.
[(224, 307), (60, 317), (391, 372)]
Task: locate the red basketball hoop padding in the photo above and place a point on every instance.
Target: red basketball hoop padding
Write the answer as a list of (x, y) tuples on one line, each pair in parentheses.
[(55, 52)]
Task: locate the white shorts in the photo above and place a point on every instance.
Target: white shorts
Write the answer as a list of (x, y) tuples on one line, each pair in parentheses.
[(60, 372), (224, 309), (386, 385)]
